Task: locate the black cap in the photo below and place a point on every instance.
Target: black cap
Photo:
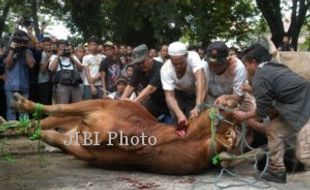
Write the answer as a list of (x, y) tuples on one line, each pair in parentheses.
[(217, 50)]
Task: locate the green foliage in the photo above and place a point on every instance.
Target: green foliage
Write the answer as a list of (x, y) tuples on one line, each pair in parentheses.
[(152, 22)]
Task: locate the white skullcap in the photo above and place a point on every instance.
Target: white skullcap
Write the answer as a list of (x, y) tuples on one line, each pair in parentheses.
[(177, 48)]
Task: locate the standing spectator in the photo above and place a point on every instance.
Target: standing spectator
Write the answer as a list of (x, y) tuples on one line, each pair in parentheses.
[(100, 49), (2, 79), (162, 54), (67, 68), (123, 60), (129, 72), (110, 69), (44, 90), (91, 63), (79, 52), (201, 52), (122, 50), (286, 44), (129, 50), (152, 53), (17, 64)]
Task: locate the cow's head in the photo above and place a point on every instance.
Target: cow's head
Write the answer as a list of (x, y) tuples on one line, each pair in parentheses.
[(223, 123)]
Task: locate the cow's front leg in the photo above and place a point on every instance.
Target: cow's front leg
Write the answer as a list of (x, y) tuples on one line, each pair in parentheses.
[(63, 142)]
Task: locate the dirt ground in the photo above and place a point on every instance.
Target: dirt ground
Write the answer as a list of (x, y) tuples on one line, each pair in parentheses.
[(61, 171)]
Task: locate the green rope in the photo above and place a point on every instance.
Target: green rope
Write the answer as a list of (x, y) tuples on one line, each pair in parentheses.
[(22, 126), (216, 158), (6, 156)]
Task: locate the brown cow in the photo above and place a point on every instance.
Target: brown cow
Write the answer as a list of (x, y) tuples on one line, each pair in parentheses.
[(170, 154)]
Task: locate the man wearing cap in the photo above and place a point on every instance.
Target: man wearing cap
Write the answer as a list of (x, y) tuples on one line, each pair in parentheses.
[(147, 73), (183, 80), (110, 69), (225, 74)]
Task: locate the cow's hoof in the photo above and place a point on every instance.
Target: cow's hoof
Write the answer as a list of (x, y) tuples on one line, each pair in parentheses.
[(2, 120), (20, 103)]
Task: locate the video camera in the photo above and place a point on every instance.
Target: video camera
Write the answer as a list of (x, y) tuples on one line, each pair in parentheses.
[(24, 21), (21, 39), (66, 52)]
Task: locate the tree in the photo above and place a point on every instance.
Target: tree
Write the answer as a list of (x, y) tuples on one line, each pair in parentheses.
[(163, 21), (271, 10), (5, 10), (207, 20)]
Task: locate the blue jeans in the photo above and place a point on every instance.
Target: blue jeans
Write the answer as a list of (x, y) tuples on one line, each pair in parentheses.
[(87, 93), (11, 113)]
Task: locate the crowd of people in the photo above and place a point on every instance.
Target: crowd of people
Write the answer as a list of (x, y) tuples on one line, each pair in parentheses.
[(171, 82)]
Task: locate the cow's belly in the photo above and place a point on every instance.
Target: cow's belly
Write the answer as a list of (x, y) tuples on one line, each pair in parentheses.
[(174, 158)]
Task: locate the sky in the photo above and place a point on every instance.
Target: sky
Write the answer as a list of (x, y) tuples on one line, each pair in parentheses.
[(59, 30)]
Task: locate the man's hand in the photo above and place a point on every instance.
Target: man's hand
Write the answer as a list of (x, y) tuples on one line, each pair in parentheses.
[(182, 120), (13, 45), (194, 113), (2, 77), (246, 88), (221, 101), (240, 115), (93, 90)]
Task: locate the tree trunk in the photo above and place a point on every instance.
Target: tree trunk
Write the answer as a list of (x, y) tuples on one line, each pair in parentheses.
[(272, 13), (5, 12), (34, 13), (297, 20)]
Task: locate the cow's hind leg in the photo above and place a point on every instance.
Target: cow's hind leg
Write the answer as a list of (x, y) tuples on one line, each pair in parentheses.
[(76, 109), (66, 123), (66, 143)]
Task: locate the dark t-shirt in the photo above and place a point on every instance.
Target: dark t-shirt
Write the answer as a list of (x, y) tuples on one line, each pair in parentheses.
[(150, 78), (112, 68)]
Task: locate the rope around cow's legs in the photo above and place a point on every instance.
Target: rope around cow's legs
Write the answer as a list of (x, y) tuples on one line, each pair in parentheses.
[(23, 126)]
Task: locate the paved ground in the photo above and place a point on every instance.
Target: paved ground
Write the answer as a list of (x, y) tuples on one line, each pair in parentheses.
[(60, 171)]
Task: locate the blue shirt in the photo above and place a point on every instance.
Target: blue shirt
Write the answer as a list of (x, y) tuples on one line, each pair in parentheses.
[(18, 76)]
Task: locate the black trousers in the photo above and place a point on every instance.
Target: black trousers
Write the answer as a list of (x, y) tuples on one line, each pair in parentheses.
[(156, 108), (45, 93)]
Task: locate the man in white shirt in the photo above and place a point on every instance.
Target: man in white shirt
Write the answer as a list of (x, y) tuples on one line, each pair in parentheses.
[(91, 63), (183, 80), (225, 75)]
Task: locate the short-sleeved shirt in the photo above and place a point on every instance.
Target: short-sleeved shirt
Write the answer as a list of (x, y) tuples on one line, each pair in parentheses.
[(187, 82), (93, 63), (18, 76), (112, 68), (229, 82), (43, 77), (150, 78)]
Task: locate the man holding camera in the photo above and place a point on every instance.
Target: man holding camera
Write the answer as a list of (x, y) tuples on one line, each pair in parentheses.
[(17, 63), (67, 76)]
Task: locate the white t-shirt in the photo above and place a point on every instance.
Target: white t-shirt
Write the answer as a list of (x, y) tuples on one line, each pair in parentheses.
[(187, 82), (65, 61), (115, 95), (229, 82), (93, 63)]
